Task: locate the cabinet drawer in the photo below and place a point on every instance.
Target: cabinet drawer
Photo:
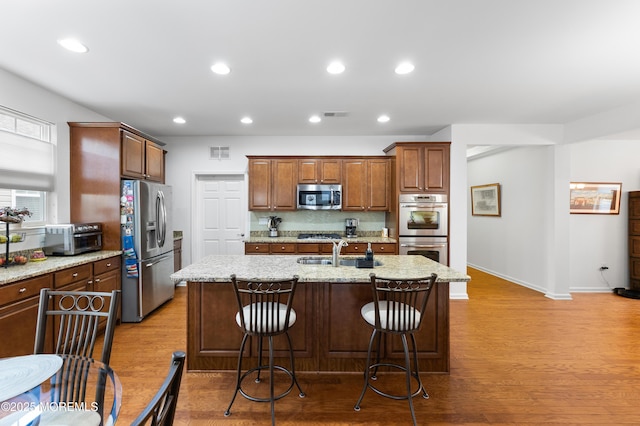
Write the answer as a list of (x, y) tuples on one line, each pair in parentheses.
[(106, 265), (307, 248), (383, 248), (283, 248), (23, 289), (70, 275), (259, 248)]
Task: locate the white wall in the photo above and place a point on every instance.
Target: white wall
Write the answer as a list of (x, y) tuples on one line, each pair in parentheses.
[(513, 245), (25, 97)]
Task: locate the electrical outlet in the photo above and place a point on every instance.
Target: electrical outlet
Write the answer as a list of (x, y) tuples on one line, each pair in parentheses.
[(263, 220), (604, 267)]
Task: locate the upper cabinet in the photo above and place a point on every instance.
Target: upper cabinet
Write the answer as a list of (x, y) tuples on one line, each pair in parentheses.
[(422, 166), (366, 184), (320, 170), (141, 158), (272, 184), (100, 155)]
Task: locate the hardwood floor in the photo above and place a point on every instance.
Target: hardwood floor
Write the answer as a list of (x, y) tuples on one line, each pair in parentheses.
[(517, 357)]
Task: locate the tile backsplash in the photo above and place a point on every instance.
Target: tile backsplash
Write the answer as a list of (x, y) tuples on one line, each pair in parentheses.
[(319, 220)]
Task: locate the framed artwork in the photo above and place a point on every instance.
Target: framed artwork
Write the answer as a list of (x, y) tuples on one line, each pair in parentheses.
[(594, 198), (485, 200)]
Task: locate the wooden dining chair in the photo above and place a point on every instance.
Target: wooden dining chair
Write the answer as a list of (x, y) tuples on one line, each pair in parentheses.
[(76, 318), (162, 408)]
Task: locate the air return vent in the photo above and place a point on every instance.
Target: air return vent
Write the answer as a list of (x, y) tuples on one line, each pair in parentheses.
[(335, 113), (219, 152)]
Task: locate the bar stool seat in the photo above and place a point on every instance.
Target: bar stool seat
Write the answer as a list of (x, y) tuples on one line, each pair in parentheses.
[(397, 310), (265, 310)]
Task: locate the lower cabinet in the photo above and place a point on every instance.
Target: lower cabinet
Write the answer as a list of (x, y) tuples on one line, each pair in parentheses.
[(316, 248), (19, 315), (329, 333), (19, 301)]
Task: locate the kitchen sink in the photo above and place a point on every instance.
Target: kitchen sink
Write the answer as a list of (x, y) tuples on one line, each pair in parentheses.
[(327, 261)]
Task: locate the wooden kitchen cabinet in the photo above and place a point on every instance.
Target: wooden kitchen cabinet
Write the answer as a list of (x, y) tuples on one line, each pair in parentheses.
[(320, 171), (19, 315), (98, 153), (377, 248), (273, 184), (177, 254), (107, 276), (256, 248), (422, 167), (366, 184), (141, 158), (634, 240)]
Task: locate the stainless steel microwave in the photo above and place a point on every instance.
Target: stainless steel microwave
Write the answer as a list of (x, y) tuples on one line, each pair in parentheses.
[(319, 197)]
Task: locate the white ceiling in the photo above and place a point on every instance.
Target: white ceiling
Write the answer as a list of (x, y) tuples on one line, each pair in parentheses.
[(477, 61)]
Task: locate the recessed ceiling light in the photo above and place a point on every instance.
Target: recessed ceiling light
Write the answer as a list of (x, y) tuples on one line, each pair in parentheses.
[(246, 120), (383, 119), (315, 119), (179, 120), (73, 45), (220, 68), (405, 68), (335, 67)]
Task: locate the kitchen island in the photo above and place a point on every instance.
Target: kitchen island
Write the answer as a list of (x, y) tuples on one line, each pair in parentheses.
[(329, 334)]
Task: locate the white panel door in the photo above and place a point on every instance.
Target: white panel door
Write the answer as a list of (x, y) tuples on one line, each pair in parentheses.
[(221, 211)]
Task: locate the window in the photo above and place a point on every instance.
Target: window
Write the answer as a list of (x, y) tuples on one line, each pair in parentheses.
[(27, 169)]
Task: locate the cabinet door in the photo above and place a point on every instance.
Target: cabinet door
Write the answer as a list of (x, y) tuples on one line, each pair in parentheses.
[(379, 185), (259, 184), (107, 282), (154, 162), (411, 170), (256, 248), (133, 160), (308, 170), (436, 169), (284, 184), (354, 187), (331, 171)]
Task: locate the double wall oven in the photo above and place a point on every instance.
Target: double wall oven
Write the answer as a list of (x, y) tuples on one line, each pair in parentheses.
[(424, 225)]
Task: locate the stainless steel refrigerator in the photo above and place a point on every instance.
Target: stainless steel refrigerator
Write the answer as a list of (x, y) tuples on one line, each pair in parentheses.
[(147, 244)]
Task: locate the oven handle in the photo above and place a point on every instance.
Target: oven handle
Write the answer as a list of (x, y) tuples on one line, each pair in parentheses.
[(424, 245), (423, 206)]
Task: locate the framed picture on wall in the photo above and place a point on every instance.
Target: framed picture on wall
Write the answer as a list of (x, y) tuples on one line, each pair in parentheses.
[(594, 197), (485, 200)]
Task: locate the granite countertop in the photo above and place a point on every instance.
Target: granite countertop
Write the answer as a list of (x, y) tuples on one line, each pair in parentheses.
[(51, 264), (294, 239), (218, 268)]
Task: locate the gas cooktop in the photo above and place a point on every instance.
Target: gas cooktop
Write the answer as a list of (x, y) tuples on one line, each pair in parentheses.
[(319, 236)]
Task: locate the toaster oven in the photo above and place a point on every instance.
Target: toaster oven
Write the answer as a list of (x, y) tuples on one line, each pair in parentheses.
[(71, 239)]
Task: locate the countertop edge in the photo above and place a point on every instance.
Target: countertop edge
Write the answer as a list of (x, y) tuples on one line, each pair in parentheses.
[(52, 264)]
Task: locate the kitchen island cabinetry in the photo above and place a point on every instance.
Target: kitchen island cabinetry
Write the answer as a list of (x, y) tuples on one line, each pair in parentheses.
[(422, 167), (329, 335), (366, 184), (100, 155), (272, 184), (320, 171)]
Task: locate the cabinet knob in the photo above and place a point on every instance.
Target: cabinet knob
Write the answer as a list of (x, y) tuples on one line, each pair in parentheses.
[(108, 265), (22, 290), (97, 280), (282, 248), (257, 248), (75, 274), (381, 248)]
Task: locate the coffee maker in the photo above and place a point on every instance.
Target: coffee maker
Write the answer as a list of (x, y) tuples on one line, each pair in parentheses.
[(350, 227)]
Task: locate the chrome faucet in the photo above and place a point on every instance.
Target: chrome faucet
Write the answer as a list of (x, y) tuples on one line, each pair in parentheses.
[(336, 252)]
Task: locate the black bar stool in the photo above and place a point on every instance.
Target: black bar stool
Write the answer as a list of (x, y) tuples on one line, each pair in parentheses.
[(396, 309), (264, 310)]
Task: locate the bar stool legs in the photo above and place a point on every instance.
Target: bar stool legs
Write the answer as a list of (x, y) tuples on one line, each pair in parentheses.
[(371, 371)]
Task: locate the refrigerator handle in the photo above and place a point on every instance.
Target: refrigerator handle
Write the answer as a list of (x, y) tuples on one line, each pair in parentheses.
[(161, 219)]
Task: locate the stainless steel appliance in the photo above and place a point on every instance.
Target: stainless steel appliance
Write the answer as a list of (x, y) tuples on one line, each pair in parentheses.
[(424, 226), (147, 243), (435, 248), (272, 224), (350, 227), (72, 238), (319, 197)]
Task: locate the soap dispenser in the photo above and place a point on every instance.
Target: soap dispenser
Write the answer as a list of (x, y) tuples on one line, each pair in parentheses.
[(368, 255)]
